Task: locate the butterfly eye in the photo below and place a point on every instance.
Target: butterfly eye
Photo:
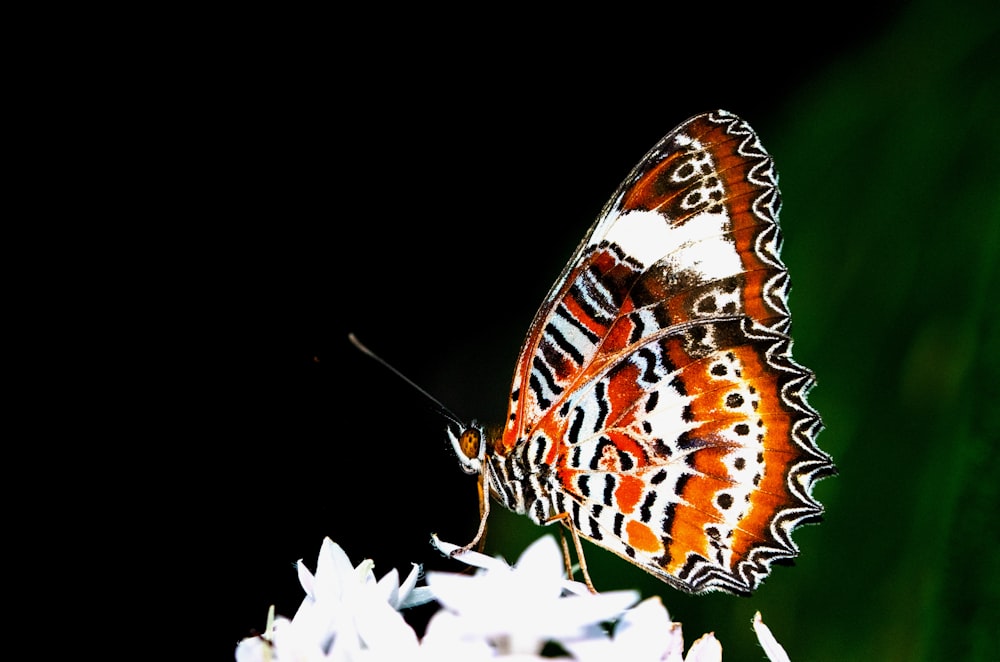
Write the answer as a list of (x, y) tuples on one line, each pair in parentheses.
[(470, 442)]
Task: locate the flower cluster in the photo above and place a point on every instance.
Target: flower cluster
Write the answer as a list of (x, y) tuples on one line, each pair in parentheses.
[(501, 611)]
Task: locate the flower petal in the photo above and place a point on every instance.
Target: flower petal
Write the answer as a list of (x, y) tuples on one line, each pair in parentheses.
[(774, 651), (460, 593), (421, 595), (411, 580), (410, 595), (306, 579), (446, 639), (469, 557), (541, 558), (382, 628), (675, 647), (388, 587), (706, 649), (333, 568), (648, 626), (575, 612)]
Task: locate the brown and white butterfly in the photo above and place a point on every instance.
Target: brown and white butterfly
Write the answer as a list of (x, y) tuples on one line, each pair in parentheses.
[(656, 410)]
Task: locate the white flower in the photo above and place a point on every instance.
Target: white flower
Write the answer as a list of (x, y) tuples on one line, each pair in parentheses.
[(518, 609), (501, 611), (346, 615)]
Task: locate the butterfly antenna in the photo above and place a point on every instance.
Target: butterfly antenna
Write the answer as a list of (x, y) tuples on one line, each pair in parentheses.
[(438, 407)]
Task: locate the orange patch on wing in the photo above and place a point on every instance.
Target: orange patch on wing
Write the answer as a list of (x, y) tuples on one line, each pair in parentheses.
[(709, 461), (642, 537), (618, 336), (687, 535), (628, 493), (624, 390)]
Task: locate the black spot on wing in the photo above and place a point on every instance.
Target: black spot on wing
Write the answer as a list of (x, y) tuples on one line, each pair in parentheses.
[(600, 391), (573, 433), (645, 512), (648, 357), (609, 489), (638, 328), (562, 343)]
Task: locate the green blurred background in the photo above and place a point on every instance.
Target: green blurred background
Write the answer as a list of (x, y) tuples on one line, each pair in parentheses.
[(455, 191)]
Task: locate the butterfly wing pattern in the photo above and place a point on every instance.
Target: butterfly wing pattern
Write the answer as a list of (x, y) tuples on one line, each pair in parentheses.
[(655, 402)]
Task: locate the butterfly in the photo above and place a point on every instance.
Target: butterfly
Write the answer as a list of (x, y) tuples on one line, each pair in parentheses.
[(655, 409)]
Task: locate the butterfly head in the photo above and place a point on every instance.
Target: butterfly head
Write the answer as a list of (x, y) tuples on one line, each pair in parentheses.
[(469, 447)]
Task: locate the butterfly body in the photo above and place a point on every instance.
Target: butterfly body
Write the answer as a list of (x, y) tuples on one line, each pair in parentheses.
[(655, 407)]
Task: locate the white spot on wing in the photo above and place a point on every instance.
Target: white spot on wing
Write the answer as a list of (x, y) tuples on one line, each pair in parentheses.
[(666, 419), (643, 235), (700, 245), (683, 140)]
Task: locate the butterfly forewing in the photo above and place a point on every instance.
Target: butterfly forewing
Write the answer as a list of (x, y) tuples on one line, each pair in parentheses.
[(655, 399)]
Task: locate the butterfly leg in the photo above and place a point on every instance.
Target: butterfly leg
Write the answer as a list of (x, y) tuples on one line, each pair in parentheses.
[(567, 521), (567, 560), (484, 512)]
